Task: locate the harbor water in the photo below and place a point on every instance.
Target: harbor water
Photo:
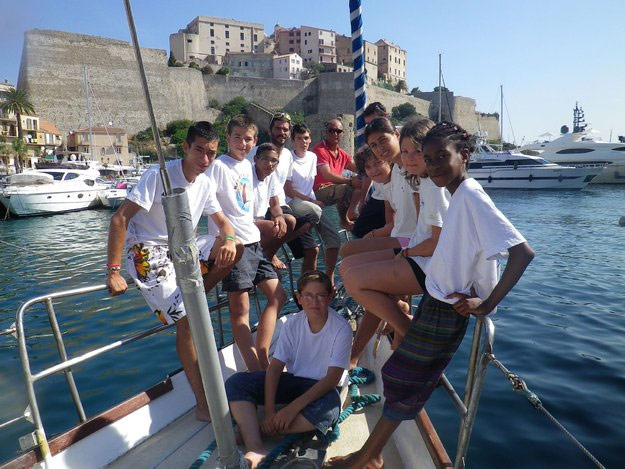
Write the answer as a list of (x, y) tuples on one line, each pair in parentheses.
[(562, 329)]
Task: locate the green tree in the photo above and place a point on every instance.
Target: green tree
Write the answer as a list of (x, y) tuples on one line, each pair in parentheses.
[(174, 126), (312, 69), (5, 152), (233, 107), (172, 60), (223, 71), (207, 70), (402, 112), (194, 65), (386, 85), (401, 86), (16, 101), (19, 147), (415, 91), (442, 88)]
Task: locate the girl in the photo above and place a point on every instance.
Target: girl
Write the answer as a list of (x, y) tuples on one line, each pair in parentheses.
[(462, 279)]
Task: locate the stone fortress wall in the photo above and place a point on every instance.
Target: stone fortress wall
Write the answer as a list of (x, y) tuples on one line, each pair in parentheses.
[(51, 72)]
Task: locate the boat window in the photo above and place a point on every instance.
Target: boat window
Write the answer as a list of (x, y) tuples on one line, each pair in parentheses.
[(619, 148), (570, 151), (70, 176), (56, 176), (89, 182)]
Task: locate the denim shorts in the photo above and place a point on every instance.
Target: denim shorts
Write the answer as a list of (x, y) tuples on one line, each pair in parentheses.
[(322, 413), (252, 269)]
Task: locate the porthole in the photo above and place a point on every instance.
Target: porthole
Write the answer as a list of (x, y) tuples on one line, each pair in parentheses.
[(49, 197), (560, 178), (80, 196)]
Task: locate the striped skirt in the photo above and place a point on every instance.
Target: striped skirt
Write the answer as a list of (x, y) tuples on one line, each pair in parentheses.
[(412, 372)]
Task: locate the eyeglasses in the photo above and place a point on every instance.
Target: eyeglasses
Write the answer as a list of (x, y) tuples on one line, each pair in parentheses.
[(283, 116), (271, 161), (312, 296), (333, 130)]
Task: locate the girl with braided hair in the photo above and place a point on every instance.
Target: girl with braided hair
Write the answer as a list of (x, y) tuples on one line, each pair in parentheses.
[(462, 280)]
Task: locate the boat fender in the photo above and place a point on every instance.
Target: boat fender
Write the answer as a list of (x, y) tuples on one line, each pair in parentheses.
[(530, 178), (490, 179)]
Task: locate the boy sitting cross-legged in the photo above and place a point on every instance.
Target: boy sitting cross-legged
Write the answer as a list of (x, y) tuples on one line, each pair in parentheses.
[(314, 345)]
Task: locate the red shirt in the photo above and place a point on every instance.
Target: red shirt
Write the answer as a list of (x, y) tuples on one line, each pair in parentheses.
[(336, 163)]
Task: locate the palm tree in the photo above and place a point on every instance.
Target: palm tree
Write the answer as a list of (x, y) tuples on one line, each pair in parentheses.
[(16, 101)]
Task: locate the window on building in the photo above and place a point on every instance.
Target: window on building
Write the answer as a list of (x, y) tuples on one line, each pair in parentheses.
[(255, 37), (246, 63), (242, 36), (212, 33), (212, 51), (227, 34), (305, 42), (290, 41), (227, 26), (102, 151), (291, 49), (212, 42), (227, 43), (227, 49), (189, 40)]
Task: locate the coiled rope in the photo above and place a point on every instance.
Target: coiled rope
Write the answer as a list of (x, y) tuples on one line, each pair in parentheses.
[(519, 386)]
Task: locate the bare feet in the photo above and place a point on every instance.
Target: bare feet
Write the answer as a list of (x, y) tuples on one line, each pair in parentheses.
[(277, 263), (254, 458), (202, 414), (356, 461)]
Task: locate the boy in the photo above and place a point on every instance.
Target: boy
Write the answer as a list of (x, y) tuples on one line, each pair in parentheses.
[(232, 176), (139, 223), (314, 345)]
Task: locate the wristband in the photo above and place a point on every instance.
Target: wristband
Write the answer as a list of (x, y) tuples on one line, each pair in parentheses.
[(113, 268), (113, 265), (230, 237)]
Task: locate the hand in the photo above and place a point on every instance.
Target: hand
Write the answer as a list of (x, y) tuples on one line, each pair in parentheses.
[(267, 426), (226, 253), (279, 227), (401, 254), (116, 283), (319, 203), (469, 304), (283, 418)]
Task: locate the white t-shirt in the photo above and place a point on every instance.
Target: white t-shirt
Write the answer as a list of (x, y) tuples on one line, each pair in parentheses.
[(233, 183), (148, 226), (377, 190), (302, 174), (281, 172), (433, 202), (309, 354), (475, 235), (400, 196), (263, 191)]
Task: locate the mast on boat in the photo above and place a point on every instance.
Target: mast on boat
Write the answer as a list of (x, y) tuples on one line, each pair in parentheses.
[(501, 117), (184, 254), (355, 16), (86, 80), (440, 89)]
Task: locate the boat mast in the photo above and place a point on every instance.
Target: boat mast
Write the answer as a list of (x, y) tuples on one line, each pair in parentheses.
[(184, 254), (358, 55), (501, 117), (85, 75), (440, 89)]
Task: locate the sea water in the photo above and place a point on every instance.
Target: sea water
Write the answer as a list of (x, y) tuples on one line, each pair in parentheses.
[(562, 329)]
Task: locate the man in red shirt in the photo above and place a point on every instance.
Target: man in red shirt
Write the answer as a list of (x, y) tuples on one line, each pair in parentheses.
[(330, 186)]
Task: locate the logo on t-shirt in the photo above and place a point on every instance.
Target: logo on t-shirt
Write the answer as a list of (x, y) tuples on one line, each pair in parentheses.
[(244, 194)]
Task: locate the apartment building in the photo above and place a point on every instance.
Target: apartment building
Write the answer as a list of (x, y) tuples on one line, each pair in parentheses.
[(110, 145), (287, 40), (391, 61), (317, 45), (288, 67), (344, 56), (250, 64), (208, 39)]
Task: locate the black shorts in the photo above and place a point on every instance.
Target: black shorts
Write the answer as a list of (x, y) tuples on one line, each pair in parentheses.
[(302, 242), (418, 271), (252, 269)]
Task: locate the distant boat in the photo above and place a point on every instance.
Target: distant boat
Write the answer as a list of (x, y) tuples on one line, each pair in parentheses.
[(49, 191), (581, 149), (507, 170), (114, 194)]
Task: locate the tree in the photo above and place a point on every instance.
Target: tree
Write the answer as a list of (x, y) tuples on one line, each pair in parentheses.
[(194, 65), (442, 88), (207, 70), (5, 152), (312, 69), (172, 60), (401, 86), (16, 101), (415, 91), (223, 71), (19, 147), (402, 112)]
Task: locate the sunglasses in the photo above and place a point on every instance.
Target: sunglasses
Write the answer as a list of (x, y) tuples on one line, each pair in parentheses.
[(333, 130), (283, 116), (271, 161)]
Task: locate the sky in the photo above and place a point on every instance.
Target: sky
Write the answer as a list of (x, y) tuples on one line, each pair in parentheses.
[(547, 55)]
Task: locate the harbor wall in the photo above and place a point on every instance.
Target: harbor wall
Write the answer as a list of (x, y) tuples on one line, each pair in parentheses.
[(51, 72)]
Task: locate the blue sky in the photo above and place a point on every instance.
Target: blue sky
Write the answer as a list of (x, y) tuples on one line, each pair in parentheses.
[(546, 54)]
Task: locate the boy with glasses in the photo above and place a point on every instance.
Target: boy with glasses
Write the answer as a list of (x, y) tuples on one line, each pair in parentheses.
[(314, 345)]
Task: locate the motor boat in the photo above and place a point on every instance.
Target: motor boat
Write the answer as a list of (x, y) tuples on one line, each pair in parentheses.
[(509, 170), (581, 148), (114, 194), (49, 191)]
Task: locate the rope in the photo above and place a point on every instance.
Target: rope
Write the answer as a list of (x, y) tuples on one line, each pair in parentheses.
[(204, 455), (519, 386)]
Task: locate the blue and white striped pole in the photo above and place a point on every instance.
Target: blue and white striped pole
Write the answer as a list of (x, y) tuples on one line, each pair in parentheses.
[(358, 53)]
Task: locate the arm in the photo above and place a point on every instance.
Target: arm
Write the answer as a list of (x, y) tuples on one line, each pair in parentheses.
[(519, 258), (283, 419), (117, 235), (365, 185), (426, 247), (288, 190), (324, 170), (228, 250), (279, 225), (272, 378)]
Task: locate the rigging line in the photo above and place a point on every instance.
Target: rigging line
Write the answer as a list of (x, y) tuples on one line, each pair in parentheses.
[(44, 255), (117, 157), (451, 116), (509, 122)]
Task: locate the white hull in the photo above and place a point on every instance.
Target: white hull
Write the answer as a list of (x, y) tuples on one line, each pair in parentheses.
[(44, 203), (534, 178), (611, 174), (113, 198)]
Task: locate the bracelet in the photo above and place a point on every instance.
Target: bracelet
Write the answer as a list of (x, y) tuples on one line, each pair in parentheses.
[(113, 265), (230, 237), (113, 268)]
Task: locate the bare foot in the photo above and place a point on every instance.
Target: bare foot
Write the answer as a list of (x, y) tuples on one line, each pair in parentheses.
[(254, 458), (277, 263), (355, 461), (202, 414)]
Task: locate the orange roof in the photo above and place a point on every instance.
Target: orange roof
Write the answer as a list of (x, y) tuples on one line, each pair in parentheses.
[(49, 127)]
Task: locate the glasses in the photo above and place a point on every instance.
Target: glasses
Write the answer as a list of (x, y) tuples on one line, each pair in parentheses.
[(271, 161), (283, 116), (333, 130), (312, 297)]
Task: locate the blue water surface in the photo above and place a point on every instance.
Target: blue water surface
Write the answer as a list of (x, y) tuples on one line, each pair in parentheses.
[(562, 329)]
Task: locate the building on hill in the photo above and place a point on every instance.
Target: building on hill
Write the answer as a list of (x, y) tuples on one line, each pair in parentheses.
[(250, 64), (391, 61), (110, 145), (288, 66), (317, 45), (208, 39), (287, 40), (344, 56), (51, 139)]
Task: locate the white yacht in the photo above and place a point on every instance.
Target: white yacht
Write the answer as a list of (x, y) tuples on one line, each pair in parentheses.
[(49, 191), (581, 149), (508, 170)]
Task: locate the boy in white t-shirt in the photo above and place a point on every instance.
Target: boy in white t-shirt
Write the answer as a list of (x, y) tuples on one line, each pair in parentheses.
[(462, 280), (139, 224), (233, 176), (314, 345)]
